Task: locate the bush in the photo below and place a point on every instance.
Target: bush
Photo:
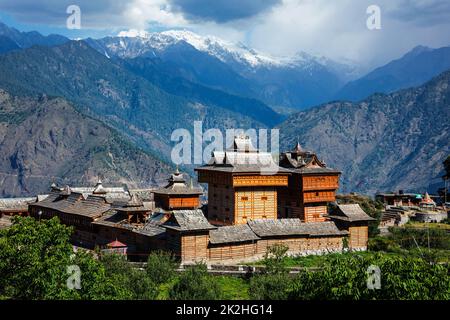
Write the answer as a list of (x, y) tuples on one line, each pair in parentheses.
[(195, 284), (134, 283), (401, 278), (270, 286), (411, 238), (273, 283), (161, 267)]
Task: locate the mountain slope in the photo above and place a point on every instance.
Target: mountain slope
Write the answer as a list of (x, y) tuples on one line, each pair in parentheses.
[(46, 140), (386, 142), (102, 88), (7, 45), (413, 69), (159, 74)]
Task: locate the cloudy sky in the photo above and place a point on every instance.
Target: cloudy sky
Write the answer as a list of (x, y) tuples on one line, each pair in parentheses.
[(333, 28)]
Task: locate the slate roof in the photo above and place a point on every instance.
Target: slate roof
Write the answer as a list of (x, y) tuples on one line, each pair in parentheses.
[(150, 230), (350, 212), (282, 227), (242, 169), (243, 157), (177, 186), (304, 162), (18, 204), (229, 234), (315, 170), (75, 204), (116, 220), (188, 220)]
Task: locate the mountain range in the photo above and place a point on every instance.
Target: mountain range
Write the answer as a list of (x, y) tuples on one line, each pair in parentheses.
[(413, 69), (385, 142), (142, 87), (295, 82), (46, 140)]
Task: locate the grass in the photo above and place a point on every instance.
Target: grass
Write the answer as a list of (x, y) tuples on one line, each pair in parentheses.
[(233, 288)]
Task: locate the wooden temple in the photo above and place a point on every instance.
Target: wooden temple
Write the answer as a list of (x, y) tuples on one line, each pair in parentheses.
[(238, 189), (254, 202), (311, 186)]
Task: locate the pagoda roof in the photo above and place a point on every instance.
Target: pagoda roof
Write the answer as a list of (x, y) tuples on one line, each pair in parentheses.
[(116, 244), (304, 162), (177, 186), (243, 157)]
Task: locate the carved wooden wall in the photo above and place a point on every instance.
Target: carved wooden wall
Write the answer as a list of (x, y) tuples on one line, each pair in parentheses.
[(255, 203)]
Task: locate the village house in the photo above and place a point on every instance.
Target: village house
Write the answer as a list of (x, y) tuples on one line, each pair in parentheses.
[(248, 210)]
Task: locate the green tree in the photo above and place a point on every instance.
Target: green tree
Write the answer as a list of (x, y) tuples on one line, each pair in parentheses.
[(274, 282), (34, 258), (195, 284), (134, 283), (34, 261), (161, 267)]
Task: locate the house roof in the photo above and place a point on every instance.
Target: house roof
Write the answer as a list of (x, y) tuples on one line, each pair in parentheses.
[(243, 157), (116, 220), (229, 234), (243, 169), (17, 204), (280, 227), (116, 244), (350, 212), (75, 203), (301, 161), (188, 220), (177, 186)]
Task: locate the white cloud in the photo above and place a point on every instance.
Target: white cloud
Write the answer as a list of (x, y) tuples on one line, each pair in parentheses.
[(336, 29)]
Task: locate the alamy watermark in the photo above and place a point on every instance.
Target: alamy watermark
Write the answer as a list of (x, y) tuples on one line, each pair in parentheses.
[(373, 277), (200, 147), (74, 275), (74, 19), (373, 22)]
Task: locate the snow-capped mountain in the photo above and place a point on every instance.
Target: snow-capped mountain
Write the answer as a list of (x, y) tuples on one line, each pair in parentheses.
[(297, 82)]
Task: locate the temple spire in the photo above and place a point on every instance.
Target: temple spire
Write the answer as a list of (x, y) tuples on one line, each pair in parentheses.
[(298, 147)]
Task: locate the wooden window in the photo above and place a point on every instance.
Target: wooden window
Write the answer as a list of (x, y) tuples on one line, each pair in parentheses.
[(264, 198), (244, 198)]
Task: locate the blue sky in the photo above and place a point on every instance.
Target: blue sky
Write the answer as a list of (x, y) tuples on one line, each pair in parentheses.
[(336, 29)]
